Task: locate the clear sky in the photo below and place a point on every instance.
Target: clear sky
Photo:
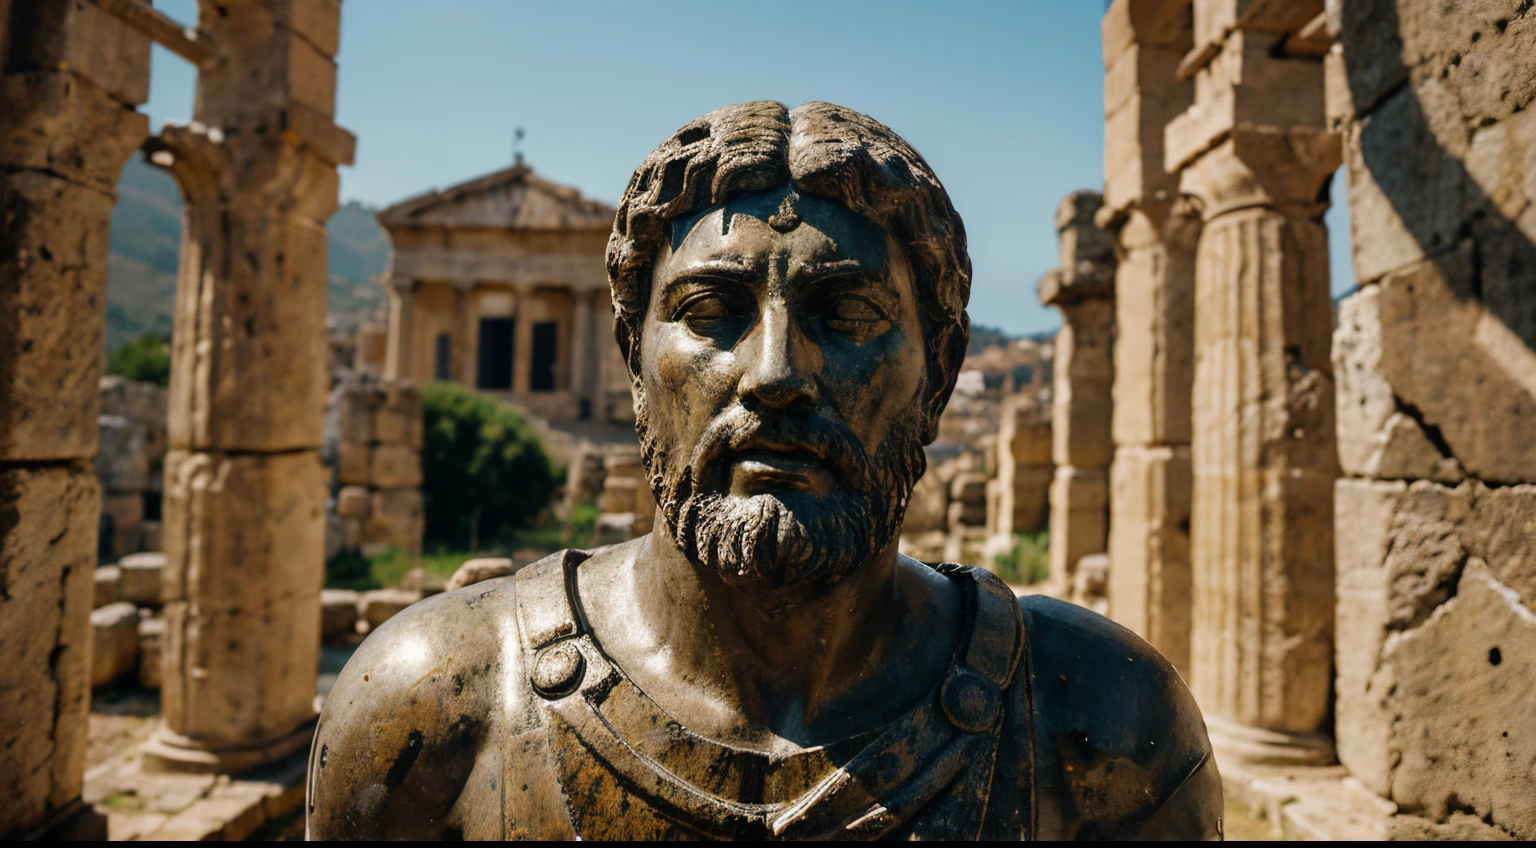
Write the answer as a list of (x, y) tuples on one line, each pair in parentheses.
[(1004, 99)]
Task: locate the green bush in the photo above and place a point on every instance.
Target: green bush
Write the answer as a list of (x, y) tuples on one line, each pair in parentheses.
[(1028, 562), (146, 359), (349, 569), (485, 473)]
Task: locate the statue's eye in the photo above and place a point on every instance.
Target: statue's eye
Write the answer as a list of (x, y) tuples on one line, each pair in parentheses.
[(706, 312), (855, 316)]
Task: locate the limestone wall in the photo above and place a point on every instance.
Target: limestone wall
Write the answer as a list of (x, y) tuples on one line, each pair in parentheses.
[(1436, 363), (372, 454)]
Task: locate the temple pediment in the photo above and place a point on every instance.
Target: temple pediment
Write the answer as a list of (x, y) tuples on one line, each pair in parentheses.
[(514, 198)]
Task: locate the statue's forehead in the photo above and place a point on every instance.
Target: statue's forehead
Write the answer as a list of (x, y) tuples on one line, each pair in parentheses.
[(846, 227)]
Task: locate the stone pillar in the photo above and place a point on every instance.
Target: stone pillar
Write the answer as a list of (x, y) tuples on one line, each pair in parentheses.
[(72, 78), (1150, 484), (1435, 357), (465, 331), (1083, 289), (522, 340), (399, 357), (581, 352), (245, 490), (1256, 155)]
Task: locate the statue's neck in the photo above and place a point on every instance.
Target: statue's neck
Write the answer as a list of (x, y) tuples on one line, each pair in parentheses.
[(761, 666)]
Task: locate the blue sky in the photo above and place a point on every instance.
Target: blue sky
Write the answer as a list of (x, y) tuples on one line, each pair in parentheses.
[(1004, 99)]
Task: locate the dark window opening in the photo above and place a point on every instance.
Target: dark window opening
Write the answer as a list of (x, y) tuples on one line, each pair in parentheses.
[(542, 376), (152, 506), (442, 360), (496, 335)]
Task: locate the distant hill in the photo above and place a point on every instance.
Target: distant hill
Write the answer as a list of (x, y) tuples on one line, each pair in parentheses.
[(983, 337), (146, 242)]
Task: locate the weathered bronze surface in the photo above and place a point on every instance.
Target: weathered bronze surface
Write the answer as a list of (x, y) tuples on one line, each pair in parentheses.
[(790, 291)]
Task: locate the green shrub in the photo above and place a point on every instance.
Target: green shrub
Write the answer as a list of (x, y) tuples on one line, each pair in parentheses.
[(146, 359), (484, 471), (1028, 562), (349, 569)]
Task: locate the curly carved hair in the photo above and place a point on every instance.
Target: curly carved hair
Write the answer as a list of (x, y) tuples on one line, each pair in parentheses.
[(823, 150)]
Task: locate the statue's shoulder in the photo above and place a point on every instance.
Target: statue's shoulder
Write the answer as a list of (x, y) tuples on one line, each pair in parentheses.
[(1121, 748), (407, 727)]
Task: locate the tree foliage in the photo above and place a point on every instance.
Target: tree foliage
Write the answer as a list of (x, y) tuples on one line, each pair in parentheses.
[(145, 359), (485, 472)]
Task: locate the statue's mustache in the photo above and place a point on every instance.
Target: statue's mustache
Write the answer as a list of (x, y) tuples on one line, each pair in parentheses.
[(738, 429)]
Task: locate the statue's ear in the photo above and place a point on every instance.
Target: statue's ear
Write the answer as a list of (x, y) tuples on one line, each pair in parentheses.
[(944, 371)]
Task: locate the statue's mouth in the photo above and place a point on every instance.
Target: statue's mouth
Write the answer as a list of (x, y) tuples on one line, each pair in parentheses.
[(762, 470)]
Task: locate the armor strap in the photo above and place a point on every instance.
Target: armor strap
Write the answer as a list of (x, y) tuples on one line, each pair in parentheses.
[(545, 609)]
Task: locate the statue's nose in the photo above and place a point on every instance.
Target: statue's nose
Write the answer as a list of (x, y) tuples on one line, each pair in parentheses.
[(780, 363)]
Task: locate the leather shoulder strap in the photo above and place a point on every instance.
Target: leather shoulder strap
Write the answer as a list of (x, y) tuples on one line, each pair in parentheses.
[(546, 610)]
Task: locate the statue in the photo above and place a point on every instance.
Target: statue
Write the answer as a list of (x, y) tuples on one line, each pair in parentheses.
[(790, 291)]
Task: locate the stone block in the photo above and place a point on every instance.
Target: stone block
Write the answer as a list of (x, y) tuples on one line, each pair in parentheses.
[(1407, 183), (58, 126), (1154, 334), (152, 536), (318, 22), (390, 425), (928, 508), (354, 406), (125, 515), (351, 533), (395, 518), (354, 464), (618, 494), (963, 514), (115, 642), (143, 578), (645, 508), (252, 377), (122, 457), (335, 536), (969, 488), (481, 569), (394, 466), (107, 579), (1376, 439), (55, 258), (338, 613), (1128, 22), (1031, 496), (1461, 707), (380, 605), (264, 512), (1079, 519), (353, 502), (1151, 583), (89, 42), (151, 640), (47, 554), (1445, 356)]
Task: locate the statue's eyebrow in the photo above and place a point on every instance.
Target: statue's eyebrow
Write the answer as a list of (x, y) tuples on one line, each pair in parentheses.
[(815, 272)]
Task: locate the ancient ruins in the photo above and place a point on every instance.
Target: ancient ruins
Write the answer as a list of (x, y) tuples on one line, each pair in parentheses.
[(1192, 438)]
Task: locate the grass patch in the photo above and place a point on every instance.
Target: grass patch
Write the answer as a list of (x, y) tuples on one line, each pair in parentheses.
[(123, 801), (1027, 562)]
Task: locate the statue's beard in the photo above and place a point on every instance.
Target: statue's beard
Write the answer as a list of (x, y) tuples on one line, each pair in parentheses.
[(791, 538)]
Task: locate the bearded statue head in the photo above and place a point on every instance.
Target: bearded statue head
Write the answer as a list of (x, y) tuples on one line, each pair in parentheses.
[(789, 290)]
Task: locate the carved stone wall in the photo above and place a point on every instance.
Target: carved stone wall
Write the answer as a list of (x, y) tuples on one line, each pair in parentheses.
[(1436, 363)]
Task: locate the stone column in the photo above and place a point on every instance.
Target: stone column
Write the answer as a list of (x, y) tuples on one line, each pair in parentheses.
[(72, 78), (581, 351), (1435, 357), (245, 490), (1255, 153), (1083, 289), (522, 340), (465, 330), (399, 358), (1150, 484)]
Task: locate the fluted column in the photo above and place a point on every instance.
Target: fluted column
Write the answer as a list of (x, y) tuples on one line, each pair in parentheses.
[(399, 357), (1262, 425), (1082, 288), (68, 124), (522, 341), (581, 351), (1155, 231), (245, 491)]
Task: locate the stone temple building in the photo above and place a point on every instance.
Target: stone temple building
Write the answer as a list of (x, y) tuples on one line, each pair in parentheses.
[(499, 284)]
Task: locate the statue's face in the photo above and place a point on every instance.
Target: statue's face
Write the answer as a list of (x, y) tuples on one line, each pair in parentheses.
[(781, 387)]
